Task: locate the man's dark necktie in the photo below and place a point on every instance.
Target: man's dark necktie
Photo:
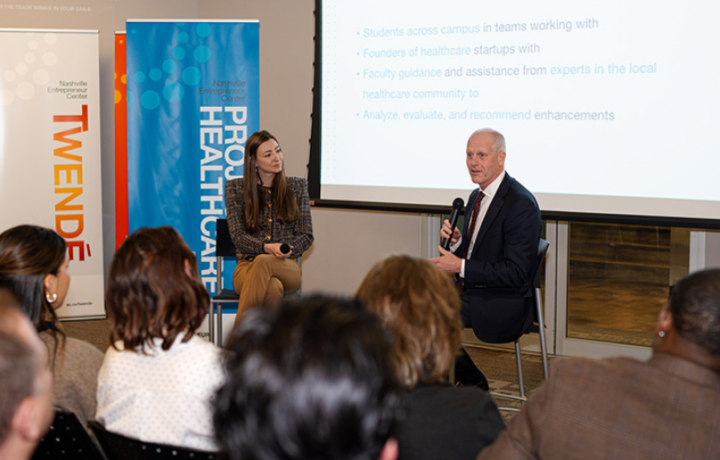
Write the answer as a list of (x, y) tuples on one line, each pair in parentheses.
[(471, 231)]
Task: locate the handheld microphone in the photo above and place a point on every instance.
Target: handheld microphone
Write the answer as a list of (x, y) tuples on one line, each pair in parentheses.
[(457, 205), (284, 248)]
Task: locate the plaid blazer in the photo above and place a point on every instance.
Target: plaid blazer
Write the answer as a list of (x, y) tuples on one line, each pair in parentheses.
[(298, 233)]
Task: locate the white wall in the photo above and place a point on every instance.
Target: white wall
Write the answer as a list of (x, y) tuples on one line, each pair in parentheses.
[(286, 68), (348, 243)]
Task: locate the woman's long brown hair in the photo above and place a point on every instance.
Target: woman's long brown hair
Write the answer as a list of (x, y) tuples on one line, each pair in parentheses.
[(28, 254), (283, 199)]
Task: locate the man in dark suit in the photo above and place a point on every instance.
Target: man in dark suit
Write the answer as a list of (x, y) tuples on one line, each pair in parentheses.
[(495, 255)]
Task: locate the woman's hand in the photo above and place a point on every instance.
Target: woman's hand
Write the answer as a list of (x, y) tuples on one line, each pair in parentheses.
[(274, 249)]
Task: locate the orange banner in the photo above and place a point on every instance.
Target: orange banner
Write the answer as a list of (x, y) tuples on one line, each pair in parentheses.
[(121, 175)]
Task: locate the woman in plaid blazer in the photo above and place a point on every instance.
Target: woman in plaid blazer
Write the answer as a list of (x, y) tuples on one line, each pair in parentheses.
[(270, 224)]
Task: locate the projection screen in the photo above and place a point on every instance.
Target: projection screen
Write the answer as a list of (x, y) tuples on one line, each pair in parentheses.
[(608, 107)]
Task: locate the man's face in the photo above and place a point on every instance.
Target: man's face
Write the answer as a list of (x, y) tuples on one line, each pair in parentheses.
[(482, 163)]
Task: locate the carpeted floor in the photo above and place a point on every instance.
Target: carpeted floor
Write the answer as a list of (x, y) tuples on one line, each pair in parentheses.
[(97, 332), (501, 371)]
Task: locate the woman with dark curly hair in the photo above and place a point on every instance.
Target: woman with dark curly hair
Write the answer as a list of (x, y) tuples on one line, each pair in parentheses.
[(34, 267)]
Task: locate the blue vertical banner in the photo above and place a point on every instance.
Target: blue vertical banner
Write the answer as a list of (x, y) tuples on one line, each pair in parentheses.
[(193, 99)]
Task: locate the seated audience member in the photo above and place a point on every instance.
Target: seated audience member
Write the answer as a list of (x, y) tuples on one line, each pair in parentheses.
[(26, 409), (419, 305), (310, 380), (665, 408), (158, 377), (34, 267)]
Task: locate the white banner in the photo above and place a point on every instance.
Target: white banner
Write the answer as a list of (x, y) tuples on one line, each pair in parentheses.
[(50, 149)]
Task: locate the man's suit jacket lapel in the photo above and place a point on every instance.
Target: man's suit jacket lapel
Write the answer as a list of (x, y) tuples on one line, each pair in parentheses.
[(493, 211)]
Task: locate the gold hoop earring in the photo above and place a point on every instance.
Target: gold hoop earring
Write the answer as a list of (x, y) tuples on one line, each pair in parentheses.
[(51, 298)]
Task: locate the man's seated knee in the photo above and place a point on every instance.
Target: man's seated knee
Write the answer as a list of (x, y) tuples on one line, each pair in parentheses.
[(333, 356)]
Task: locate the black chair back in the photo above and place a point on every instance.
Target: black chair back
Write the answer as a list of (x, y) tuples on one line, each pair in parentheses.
[(119, 447), (224, 245), (543, 246), (68, 439)]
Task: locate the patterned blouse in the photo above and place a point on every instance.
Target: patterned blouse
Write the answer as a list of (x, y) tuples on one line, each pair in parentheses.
[(163, 396)]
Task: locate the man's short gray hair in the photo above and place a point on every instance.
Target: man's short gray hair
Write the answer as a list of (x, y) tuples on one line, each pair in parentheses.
[(498, 139)]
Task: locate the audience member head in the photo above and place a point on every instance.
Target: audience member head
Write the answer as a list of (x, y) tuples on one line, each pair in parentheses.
[(689, 324), (33, 265), (310, 379), (154, 290), (26, 409), (419, 305)]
